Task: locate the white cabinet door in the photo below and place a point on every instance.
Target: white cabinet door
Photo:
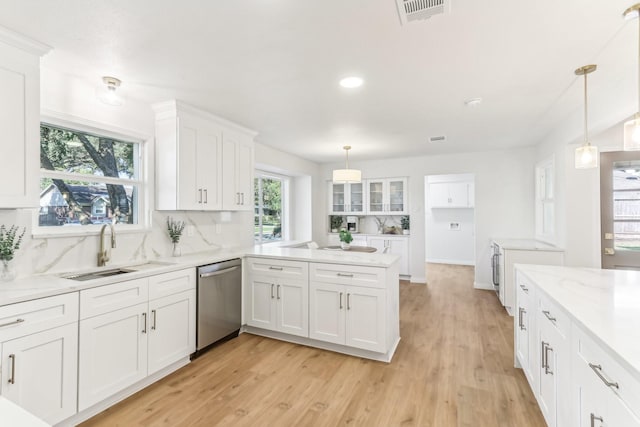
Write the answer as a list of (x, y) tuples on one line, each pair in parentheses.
[(327, 306), (40, 372), (260, 308), (172, 333), (356, 198), (523, 314), (237, 172), (376, 196), (113, 353), (397, 246), (618, 414), (337, 198), (244, 174), (292, 298), (397, 196), (365, 318), (547, 388), (346, 198), (209, 174), (459, 194), (450, 195)]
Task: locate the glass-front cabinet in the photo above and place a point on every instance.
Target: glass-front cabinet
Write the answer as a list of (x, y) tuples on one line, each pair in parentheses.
[(346, 198), (387, 196)]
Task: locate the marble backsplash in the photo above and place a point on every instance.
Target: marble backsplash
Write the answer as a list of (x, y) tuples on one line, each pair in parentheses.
[(44, 255)]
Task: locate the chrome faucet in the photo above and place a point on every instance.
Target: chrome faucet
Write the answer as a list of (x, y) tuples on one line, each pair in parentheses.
[(103, 256)]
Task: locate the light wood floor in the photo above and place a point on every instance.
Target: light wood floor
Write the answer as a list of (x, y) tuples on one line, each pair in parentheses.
[(453, 367)]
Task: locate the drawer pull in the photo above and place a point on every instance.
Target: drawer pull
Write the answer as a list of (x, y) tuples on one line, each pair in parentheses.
[(12, 379), (340, 300), (348, 302), (546, 359), (524, 288), (153, 325), (598, 370), (272, 285), (548, 316), (345, 275), (278, 291), (275, 268), (12, 323), (594, 418), (521, 312), (144, 328)]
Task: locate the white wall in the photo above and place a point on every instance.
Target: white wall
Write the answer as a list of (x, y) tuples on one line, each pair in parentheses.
[(504, 193), (443, 243)]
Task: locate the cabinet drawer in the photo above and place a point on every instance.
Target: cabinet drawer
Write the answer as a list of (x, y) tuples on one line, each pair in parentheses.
[(172, 283), (278, 268), (549, 312), (108, 298), (28, 317), (524, 285), (591, 353), (373, 277)]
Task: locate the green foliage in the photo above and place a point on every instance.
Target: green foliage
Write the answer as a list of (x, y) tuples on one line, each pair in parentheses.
[(345, 236), (405, 222), (9, 244), (336, 221), (175, 229)]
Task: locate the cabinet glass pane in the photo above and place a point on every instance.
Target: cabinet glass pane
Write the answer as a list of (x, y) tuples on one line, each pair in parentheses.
[(357, 200), (375, 196), (396, 196), (338, 200)]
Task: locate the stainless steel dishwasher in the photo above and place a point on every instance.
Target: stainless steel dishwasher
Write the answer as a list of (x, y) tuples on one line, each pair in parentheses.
[(219, 302)]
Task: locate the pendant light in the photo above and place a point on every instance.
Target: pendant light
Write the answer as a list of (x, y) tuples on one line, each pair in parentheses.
[(587, 155), (632, 127), (108, 94), (347, 175)]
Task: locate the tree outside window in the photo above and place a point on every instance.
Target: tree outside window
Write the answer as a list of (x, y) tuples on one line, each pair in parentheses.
[(268, 192)]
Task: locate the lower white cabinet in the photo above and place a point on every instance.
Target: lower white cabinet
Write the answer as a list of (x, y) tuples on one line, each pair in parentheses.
[(279, 295), (397, 246)]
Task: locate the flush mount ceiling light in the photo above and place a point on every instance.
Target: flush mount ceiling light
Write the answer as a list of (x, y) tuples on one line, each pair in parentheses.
[(351, 82), (108, 94), (347, 175), (473, 102), (587, 155), (632, 127)]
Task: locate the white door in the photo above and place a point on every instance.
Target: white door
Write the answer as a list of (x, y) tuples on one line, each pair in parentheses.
[(293, 307), (113, 353), (376, 196), (260, 310), (172, 331), (40, 372), (209, 156), (327, 306), (365, 318)]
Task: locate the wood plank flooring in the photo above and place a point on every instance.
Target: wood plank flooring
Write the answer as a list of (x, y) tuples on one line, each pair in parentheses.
[(453, 367)]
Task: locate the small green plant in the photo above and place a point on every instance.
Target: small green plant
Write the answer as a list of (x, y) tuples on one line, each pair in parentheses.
[(345, 236), (10, 241), (336, 222), (175, 229), (405, 222)]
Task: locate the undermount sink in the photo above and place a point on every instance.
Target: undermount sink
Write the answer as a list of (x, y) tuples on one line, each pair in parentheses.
[(81, 277)]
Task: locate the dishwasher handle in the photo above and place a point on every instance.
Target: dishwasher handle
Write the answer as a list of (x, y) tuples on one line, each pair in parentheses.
[(218, 273)]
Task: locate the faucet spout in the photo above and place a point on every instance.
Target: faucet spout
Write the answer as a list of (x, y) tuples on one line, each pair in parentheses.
[(103, 254)]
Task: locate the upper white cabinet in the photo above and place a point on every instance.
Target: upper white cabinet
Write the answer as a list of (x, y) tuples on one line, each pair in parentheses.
[(202, 162), (387, 196), (19, 120), (346, 198), (451, 194)]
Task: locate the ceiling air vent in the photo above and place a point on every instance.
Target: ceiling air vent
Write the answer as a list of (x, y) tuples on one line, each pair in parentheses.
[(413, 10), (437, 139)]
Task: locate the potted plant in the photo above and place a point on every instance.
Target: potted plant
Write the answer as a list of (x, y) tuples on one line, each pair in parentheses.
[(10, 242), (175, 229), (345, 239), (336, 223), (405, 223)]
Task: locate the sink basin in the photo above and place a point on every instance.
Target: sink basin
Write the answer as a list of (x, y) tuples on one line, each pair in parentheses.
[(98, 274)]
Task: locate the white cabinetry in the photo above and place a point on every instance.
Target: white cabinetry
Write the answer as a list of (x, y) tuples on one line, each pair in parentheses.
[(39, 347), (132, 329), (387, 196), (279, 295), (19, 120), (396, 246), (346, 198), (451, 194), (202, 162)]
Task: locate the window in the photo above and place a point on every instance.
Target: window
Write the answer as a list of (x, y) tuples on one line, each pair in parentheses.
[(87, 178), (269, 201), (545, 205)]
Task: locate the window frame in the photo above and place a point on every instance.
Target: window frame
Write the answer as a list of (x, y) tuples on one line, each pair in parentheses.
[(545, 178), (284, 221), (144, 189)]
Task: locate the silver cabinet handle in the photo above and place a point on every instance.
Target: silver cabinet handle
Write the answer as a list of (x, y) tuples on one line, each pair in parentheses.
[(219, 272), (271, 267), (524, 288), (200, 196), (144, 329), (153, 324), (594, 418), (12, 378), (546, 358), (543, 355), (272, 285), (206, 198), (278, 291), (521, 313), (242, 194), (598, 370), (237, 198), (12, 323), (348, 301), (344, 275), (548, 316), (340, 300)]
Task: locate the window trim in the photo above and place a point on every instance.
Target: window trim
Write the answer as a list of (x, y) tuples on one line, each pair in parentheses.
[(285, 224), (142, 181)]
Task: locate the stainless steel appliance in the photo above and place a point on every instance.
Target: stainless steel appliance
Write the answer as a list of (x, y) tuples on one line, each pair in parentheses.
[(352, 224), (495, 268), (219, 302)]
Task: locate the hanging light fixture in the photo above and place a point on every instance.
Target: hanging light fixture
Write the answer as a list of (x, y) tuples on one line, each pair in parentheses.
[(347, 175), (632, 127), (587, 155), (108, 94)]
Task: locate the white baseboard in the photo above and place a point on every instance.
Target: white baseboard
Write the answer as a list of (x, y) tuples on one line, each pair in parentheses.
[(480, 285), (451, 261), (421, 280)]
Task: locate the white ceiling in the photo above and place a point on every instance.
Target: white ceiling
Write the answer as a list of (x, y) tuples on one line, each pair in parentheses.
[(274, 66)]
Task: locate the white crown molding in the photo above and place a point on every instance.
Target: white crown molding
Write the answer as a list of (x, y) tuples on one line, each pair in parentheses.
[(22, 42)]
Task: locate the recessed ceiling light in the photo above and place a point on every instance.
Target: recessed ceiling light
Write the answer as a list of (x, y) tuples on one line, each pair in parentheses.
[(440, 138), (351, 82), (473, 102)]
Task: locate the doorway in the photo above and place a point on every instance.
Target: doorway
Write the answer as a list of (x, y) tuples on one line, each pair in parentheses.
[(620, 210)]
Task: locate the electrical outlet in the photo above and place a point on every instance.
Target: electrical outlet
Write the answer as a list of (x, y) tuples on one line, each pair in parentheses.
[(190, 230)]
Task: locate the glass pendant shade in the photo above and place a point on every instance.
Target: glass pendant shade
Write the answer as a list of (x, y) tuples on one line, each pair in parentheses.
[(347, 175), (108, 93), (632, 134), (587, 157)]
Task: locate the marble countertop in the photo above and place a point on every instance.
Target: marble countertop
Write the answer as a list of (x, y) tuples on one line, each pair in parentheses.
[(604, 302), (41, 286), (526, 245)]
